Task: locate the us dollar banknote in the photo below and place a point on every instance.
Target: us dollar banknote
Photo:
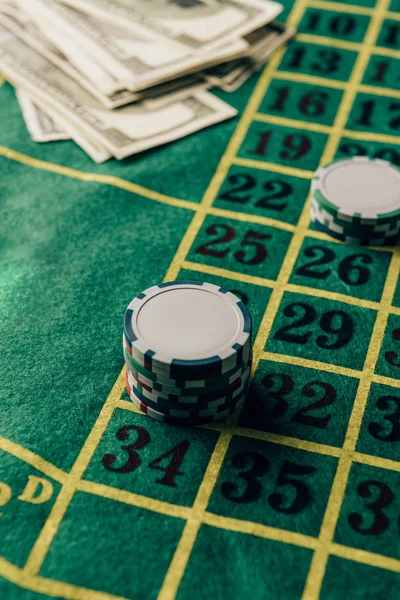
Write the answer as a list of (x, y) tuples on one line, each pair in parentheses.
[(46, 125), (190, 25), (129, 60), (16, 22), (122, 132), (263, 42), (39, 124)]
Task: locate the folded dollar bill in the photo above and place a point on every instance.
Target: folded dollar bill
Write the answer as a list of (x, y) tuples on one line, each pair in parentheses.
[(122, 76), (122, 132)]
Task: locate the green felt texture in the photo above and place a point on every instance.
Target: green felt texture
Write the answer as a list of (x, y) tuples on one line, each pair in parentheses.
[(253, 565), (100, 502), (343, 579), (120, 540), (30, 509), (68, 272), (8, 590)]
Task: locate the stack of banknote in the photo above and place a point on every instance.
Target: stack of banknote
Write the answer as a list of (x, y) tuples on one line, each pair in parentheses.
[(121, 76)]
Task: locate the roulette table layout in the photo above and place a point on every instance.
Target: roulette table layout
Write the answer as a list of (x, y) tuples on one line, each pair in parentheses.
[(297, 494)]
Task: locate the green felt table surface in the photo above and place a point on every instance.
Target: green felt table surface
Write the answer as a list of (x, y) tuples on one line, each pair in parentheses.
[(298, 496)]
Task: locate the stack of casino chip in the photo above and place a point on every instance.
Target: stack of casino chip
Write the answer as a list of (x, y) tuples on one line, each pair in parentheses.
[(358, 201), (187, 348)]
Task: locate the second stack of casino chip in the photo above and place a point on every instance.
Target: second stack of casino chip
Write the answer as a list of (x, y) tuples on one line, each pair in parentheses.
[(187, 348), (358, 201)]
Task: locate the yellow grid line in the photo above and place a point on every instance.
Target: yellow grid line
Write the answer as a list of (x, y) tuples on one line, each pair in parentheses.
[(133, 499), (43, 542), (218, 272), (259, 530), (333, 84), (223, 168), (310, 364), (371, 136), (323, 40), (335, 296), (117, 182), (290, 287), (373, 90), (377, 462), (248, 527), (338, 490), (320, 235), (53, 522), (90, 447), (182, 554), (321, 366), (181, 557), (254, 164), (350, 8), (327, 129), (193, 206), (250, 218), (320, 559), (257, 434), (276, 438), (293, 123), (177, 511), (51, 587), (381, 380), (30, 458), (367, 558), (128, 405), (272, 167), (386, 52), (293, 442), (340, 7), (311, 79)]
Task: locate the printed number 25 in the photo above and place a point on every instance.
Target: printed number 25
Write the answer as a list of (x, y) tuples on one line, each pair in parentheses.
[(226, 235)]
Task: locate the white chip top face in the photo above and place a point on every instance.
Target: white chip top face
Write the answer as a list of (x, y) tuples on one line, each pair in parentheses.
[(188, 323), (369, 188)]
